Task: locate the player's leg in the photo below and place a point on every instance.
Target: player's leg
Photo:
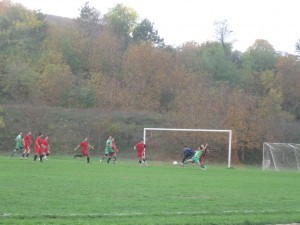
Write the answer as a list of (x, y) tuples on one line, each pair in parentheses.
[(186, 156), (185, 162), (14, 152), (202, 166), (105, 155), (140, 159), (87, 158), (27, 153), (78, 155), (144, 159), (46, 155), (23, 153), (114, 157), (41, 155)]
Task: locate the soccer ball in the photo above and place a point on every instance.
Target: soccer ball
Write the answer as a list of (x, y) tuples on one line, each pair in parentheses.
[(175, 163)]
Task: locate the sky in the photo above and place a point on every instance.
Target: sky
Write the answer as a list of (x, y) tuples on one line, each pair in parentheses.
[(180, 21)]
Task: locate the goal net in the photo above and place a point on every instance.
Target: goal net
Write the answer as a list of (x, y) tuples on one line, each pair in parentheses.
[(167, 144), (281, 156)]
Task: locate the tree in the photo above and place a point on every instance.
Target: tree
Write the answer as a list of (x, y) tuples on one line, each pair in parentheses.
[(22, 35), (2, 124), (122, 20), (189, 54), (288, 70), (145, 32), (223, 33), (106, 54), (89, 20), (260, 56), (216, 63), (89, 23)]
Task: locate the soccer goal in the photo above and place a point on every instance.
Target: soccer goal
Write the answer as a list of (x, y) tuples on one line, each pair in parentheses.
[(219, 140), (281, 156)]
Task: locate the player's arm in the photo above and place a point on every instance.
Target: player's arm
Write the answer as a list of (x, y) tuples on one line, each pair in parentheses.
[(76, 147), (37, 144), (90, 146)]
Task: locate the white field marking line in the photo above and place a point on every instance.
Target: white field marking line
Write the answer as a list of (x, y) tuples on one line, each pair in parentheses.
[(147, 214)]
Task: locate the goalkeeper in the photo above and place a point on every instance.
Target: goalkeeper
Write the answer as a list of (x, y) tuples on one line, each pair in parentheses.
[(187, 153)]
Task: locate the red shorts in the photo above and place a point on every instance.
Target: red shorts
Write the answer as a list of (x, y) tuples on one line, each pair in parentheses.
[(85, 153), (26, 149), (140, 154), (38, 150)]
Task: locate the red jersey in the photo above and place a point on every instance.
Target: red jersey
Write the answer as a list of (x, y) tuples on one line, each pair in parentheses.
[(38, 144), (140, 148), (84, 146), (27, 140), (45, 145), (114, 146)]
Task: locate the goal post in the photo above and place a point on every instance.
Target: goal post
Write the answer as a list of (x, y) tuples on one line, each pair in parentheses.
[(281, 156), (229, 132)]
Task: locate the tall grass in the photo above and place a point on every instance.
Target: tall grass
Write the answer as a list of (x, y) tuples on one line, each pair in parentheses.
[(67, 191)]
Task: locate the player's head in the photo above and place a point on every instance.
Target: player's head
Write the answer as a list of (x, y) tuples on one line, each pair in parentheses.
[(40, 134), (110, 137), (46, 138), (142, 140), (202, 146), (29, 133), (85, 139)]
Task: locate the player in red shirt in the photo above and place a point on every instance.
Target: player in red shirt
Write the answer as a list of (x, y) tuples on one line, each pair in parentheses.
[(140, 147), (206, 151), (46, 147), (38, 147), (26, 143), (84, 149), (114, 148)]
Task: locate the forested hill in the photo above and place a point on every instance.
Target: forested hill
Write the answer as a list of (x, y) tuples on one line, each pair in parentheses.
[(58, 20), (118, 62)]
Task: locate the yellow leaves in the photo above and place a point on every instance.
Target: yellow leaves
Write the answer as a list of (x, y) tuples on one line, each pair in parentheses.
[(28, 22), (2, 124)]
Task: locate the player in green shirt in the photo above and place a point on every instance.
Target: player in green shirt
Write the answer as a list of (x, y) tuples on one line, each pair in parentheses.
[(108, 149), (196, 158), (19, 145)]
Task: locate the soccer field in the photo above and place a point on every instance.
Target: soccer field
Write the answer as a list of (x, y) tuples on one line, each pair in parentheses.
[(67, 191)]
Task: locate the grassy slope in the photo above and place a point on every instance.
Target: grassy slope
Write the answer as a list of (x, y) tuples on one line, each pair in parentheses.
[(67, 191)]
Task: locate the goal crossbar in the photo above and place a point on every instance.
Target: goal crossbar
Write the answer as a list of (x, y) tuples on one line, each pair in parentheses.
[(196, 130)]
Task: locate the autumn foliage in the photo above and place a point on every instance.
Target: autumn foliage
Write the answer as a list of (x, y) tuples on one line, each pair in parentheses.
[(118, 64)]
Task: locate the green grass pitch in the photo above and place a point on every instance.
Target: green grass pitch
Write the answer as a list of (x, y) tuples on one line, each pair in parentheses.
[(67, 191)]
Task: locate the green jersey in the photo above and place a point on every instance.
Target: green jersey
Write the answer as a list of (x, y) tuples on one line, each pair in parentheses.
[(108, 146), (19, 144), (198, 154)]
